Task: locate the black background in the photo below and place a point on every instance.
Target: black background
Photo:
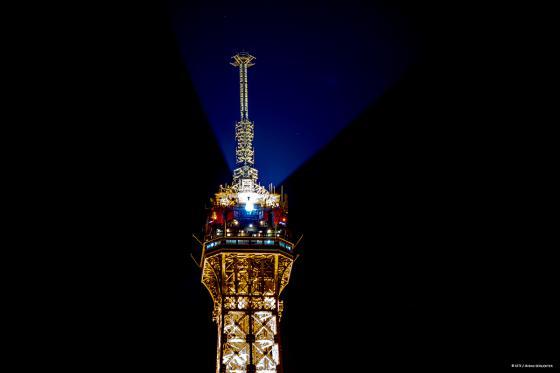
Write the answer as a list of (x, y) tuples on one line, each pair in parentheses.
[(428, 222)]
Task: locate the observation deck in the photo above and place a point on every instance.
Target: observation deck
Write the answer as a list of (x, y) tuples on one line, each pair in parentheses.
[(253, 244)]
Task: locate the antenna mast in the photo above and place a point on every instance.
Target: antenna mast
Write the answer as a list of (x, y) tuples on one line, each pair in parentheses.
[(245, 173)]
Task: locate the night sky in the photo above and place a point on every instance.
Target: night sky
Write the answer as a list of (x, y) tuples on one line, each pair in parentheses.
[(411, 137), (317, 68)]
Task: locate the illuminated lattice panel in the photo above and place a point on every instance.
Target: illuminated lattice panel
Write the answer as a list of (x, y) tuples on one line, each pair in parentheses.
[(237, 328), (265, 350), (235, 354)]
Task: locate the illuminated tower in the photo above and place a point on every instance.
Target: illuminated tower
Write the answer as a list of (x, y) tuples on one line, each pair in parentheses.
[(247, 256)]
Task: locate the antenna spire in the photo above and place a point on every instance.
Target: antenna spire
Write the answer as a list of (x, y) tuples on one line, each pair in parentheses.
[(244, 129)]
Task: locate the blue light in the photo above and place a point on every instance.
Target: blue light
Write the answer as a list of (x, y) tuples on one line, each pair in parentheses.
[(249, 206)]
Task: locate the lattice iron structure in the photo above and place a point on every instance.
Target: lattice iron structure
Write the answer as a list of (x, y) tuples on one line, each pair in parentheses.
[(247, 257)]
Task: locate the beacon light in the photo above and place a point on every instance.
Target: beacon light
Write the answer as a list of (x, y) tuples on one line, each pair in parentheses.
[(249, 198)]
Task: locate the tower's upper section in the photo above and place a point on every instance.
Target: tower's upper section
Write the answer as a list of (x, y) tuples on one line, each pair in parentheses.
[(245, 208)]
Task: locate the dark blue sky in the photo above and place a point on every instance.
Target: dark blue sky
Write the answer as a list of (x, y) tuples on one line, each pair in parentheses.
[(317, 68)]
